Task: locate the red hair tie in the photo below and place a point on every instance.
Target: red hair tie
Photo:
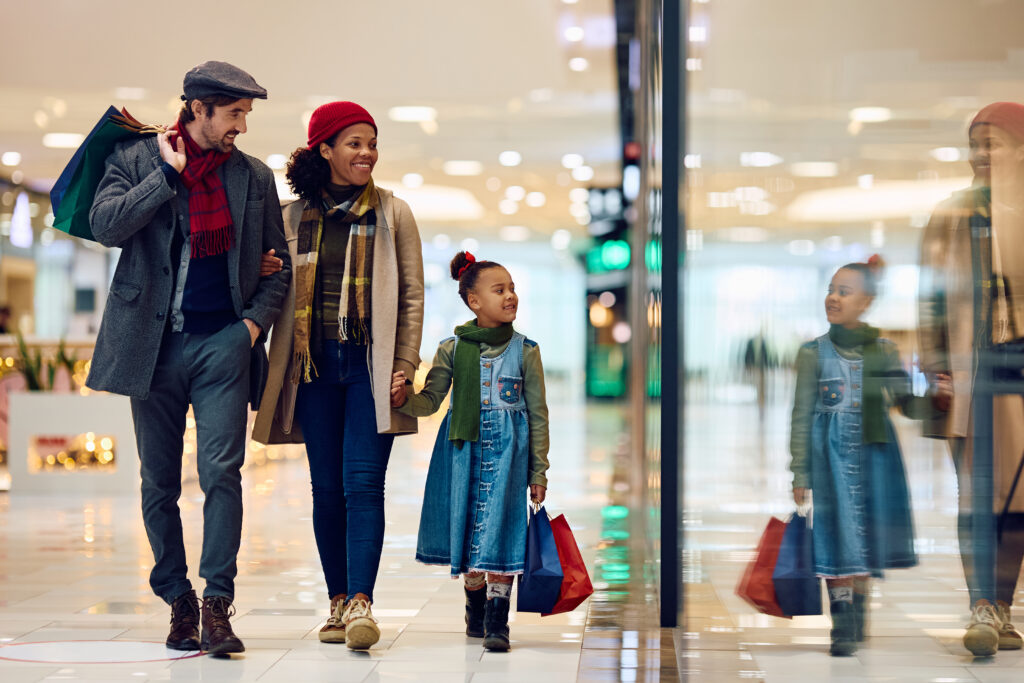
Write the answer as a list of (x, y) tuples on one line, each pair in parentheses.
[(470, 260)]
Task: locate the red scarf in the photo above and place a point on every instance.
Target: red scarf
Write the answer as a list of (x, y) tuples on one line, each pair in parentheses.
[(210, 223)]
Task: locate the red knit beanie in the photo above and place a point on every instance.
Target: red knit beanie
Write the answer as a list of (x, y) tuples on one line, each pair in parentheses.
[(1008, 116), (329, 118)]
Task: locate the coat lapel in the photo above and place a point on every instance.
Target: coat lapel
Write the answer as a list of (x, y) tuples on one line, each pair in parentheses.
[(236, 186)]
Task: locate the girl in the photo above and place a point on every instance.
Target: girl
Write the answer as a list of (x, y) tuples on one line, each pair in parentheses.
[(491, 444), (844, 448)]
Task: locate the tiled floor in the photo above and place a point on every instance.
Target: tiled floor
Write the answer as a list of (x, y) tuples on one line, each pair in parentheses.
[(74, 595), (917, 615)]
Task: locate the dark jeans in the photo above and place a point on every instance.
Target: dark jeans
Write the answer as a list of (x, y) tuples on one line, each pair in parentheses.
[(210, 371), (347, 463)]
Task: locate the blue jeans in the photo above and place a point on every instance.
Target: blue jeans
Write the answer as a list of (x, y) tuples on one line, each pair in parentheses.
[(347, 463), (210, 371)]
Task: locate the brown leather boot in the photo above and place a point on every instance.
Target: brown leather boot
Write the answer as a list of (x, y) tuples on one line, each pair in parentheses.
[(218, 638), (184, 633)]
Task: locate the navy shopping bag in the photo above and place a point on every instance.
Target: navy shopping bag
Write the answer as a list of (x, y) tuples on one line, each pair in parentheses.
[(541, 582), (797, 589)]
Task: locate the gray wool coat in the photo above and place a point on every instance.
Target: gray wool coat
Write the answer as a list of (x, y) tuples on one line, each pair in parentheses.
[(136, 209)]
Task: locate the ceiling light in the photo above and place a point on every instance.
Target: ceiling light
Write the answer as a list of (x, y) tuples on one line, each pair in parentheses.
[(691, 161), (570, 2), (508, 206), (125, 93), (574, 34), (891, 199), (21, 222), (429, 127), (578, 64), (10, 158), (694, 64), (759, 159), (514, 233), (561, 239), (870, 114), (946, 154), (515, 192), (536, 199), (412, 180), (63, 140), (622, 332), (743, 234), (463, 168), (277, 161), (572, 160), (698, 34), (510, 158), (866, 181), (41, 118), (578, 210), (579, 195), (814, 169), (412, 114), (583, 173), (631, 181)]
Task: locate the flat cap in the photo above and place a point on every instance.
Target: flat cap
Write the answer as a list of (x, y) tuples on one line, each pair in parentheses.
[(221, 78)]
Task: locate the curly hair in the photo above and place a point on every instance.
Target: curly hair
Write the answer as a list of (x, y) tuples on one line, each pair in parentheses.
[(466, 270), (308, 172)]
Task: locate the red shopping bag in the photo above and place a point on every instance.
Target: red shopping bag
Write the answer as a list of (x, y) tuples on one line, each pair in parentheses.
[(756, 586), (576, 586)]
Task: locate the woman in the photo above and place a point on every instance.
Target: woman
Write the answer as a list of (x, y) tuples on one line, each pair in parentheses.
[(335, 348), (970, 266)]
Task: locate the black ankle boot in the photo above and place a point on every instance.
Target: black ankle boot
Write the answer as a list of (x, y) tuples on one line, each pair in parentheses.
[(844, 642), (496, 625), (860, 608), (475, 607)]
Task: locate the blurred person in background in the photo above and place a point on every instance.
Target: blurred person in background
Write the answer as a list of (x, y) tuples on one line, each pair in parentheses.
[(353, 317), (970, 307)]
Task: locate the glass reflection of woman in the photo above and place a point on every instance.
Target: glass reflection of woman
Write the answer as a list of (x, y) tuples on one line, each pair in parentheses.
[(971, 263)]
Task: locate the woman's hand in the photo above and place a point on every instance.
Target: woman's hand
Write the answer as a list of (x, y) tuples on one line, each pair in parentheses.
[(942, 397), (398, 391), (270, 264), (799, 494), (538, 493)]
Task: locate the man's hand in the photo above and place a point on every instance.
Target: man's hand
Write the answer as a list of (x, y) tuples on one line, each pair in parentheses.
[(175, 157), (538, 493), (254, 331), (398, 390), (943, 394), (270, 264)]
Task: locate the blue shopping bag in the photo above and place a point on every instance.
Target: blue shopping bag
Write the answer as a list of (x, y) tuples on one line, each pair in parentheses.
[(797, 589), (541, 581)]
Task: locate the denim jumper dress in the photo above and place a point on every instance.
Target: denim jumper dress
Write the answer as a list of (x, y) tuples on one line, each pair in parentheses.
[(862, 519), (474, 504)]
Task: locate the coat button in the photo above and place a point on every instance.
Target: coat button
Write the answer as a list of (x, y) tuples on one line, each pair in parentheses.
[(159, 316), (487, 365), (486, 402), (487, 384)]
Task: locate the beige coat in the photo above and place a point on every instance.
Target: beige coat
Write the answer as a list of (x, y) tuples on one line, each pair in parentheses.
[(946, 334), (396, 318)]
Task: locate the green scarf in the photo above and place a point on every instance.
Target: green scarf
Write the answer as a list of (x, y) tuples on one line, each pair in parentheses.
[(873, 402), (465, 422)]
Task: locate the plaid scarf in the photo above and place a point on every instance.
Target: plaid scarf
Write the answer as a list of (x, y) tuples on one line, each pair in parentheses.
[(210, 223), (354, 309)]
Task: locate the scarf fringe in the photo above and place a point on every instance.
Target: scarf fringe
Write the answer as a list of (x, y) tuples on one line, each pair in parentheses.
[(212, 242), (303, 368)]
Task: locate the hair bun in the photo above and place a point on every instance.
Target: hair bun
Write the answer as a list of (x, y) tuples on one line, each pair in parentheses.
[(460, 263), (876, 263)]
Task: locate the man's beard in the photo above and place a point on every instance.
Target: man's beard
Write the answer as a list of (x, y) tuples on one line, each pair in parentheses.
[(222, 144)]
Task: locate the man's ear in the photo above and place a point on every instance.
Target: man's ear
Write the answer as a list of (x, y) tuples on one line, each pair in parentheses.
[(198, 108)]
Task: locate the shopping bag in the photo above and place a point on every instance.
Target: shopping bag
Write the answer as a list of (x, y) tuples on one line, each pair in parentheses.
[(541, 579), (756, 585), (797, 589), (72, 194), (576, 586)]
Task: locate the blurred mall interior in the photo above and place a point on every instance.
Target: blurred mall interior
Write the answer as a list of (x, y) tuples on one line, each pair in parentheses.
[(672, 185)]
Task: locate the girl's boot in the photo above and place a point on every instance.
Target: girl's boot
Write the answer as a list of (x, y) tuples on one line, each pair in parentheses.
[(860, 608), (496, 625), (844, 642), (475, 607)]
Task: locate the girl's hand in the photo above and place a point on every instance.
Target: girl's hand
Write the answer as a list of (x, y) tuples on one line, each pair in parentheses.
[(537, 493), (270, 264), (799, 494), (943, 394), (398, 393)]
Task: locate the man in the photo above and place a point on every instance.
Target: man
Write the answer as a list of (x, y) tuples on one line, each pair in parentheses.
[(192, 215)]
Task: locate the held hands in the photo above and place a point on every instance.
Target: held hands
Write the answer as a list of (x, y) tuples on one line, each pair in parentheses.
[(538, 493), (942, 395), (398, 391), (799, 495), (270, 264), (254, 331), (173, 156)]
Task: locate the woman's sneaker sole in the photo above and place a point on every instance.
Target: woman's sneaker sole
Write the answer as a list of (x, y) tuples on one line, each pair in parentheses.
[(360, 634), (981, 640)]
